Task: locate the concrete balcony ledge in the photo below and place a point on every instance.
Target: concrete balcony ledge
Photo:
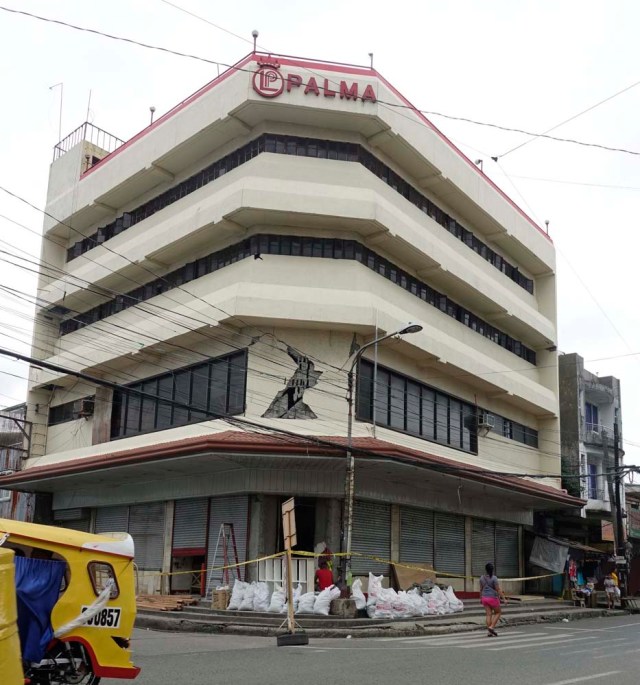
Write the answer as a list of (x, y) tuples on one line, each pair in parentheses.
[(593, 436), (598, 505), (598, 392)]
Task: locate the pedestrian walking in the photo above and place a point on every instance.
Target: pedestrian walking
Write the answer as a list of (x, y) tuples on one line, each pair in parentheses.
[(490, 594)]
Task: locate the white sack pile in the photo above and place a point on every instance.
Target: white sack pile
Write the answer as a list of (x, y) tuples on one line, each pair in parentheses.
[(387, 603)]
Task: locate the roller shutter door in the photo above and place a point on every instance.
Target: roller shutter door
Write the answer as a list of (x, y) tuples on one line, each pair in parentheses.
[(81, 524), (233, 510), (483, 534), (146, 526), (371, 534), (75, 519), (190, 524), (416, 536), (507, 551), (449, 543), (112, 519)]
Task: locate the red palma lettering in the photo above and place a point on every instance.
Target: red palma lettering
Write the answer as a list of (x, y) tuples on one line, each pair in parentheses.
[(348, 93), (369, 94), (312, 87), (293, 81), (328, 93)]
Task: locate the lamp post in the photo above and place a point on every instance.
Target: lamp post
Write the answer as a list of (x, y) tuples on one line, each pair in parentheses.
[(347, 518)]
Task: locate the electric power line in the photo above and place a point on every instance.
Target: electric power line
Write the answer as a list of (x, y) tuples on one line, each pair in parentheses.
[(388, 104)]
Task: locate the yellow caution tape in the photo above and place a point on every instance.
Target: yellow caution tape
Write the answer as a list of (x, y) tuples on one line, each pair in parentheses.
[(216, 568), (413, 567), (417, 568)]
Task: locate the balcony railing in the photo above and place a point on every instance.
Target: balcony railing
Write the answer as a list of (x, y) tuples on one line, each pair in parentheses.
[(92, 134), (594, 433)]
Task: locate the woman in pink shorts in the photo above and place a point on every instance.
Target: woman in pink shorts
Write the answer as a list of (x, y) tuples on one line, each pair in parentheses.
[(490, 593)]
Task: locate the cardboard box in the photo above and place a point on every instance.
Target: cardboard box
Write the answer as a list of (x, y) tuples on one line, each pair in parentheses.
[(220, 599)]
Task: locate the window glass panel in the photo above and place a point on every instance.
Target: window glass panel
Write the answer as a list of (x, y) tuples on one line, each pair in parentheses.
[(428, 414), (455, 423), (218, 388), (199, 390), (365, 391), (200, 385), (133, 414), (413, 408), (165, 389), (381, 399), (518, 432), (442, 418), (396, 406), (148, 415), (237, 383), (182, 385)]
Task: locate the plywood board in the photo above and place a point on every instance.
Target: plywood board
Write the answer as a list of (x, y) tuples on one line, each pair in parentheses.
[(406, 577)]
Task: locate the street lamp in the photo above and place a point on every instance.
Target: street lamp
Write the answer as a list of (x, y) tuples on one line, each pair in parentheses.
[(349, 477)]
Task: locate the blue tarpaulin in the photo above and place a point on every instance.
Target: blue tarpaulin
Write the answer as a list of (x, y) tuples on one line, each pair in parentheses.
[(37, 588)]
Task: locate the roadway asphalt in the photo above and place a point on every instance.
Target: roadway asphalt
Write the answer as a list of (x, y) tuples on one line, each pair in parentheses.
[(589, 651)]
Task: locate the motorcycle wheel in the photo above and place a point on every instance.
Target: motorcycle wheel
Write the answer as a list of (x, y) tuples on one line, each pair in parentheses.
[(84, 674)]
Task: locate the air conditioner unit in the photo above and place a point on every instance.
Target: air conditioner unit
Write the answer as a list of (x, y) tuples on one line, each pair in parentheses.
[(486, 421), (86, 408)]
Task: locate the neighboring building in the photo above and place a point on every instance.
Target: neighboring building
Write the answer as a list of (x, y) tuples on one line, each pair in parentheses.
[(229, 257), (632, 508), (14, 440), (589, 409)]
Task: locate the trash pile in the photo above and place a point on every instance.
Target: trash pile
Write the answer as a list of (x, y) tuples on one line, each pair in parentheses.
[(255, 597), (427, 599)]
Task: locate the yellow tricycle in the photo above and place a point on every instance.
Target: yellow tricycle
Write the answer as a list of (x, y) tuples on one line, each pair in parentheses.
[(76, 605)]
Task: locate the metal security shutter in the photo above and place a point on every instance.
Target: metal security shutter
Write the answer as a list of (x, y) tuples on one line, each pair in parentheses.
[(79, 524), (507, 551), (146, 526), (190, 524), (371, 534), (416, 536), (233, 510), (483, 535), (449, 554), (75, 519), (112, 520)]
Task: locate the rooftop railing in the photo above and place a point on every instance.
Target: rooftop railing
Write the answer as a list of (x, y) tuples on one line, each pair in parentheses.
[(92, 134)]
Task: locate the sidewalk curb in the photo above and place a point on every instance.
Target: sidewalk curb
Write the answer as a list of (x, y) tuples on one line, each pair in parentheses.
[(398, 630)]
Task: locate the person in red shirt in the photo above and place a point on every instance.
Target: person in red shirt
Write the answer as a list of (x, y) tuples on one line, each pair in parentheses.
[(324, 577)]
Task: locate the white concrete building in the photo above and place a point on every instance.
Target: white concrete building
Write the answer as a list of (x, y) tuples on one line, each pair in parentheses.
[(591, 414), (229, 257)]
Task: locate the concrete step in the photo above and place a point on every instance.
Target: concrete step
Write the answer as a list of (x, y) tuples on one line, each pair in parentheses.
[(473, 611), (319, 627)]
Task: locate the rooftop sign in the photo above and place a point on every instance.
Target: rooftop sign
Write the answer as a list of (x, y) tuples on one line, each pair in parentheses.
[(269, 82)]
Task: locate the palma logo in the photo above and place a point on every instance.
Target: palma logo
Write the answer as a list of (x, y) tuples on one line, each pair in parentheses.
[(270, 82), (267, 80)]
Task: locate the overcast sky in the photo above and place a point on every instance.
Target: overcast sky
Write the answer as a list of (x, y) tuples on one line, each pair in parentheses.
[(524, 65)]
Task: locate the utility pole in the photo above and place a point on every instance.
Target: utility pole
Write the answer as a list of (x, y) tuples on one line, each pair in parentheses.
[(621, 549)]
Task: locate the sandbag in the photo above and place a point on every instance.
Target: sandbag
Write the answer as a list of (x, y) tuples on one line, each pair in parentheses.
[(375, 587), (297, 593), (239, 588), (261, 597), (455, 604), (417, 602), (247, 599), (383, 607), (305, 605), (277, 600), (323, 600), (438, 602), (358, 595)]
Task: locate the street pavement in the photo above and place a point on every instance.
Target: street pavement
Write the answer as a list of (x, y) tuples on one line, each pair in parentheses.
[(589, 651)]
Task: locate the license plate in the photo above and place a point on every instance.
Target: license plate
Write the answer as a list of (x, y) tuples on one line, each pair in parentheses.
[(106, 618)]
